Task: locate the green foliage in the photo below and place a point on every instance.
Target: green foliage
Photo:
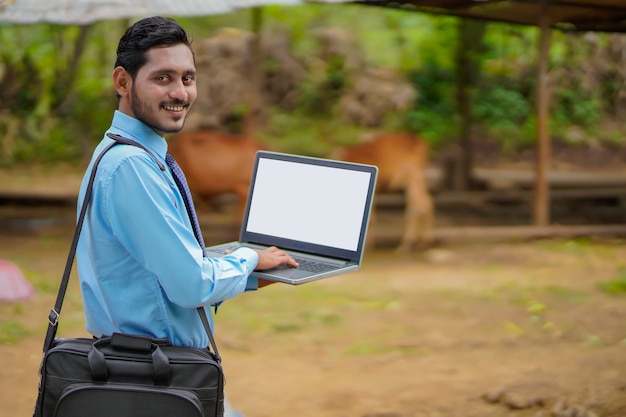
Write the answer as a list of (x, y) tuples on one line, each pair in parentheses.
[(294, 134), (11, 331), (615, 286), (576, 245), (304, 134), (505, 114), (499, 106), (56, 99), (56, 91), (439, 129), (318, 95), (434, 117), (575, 108)]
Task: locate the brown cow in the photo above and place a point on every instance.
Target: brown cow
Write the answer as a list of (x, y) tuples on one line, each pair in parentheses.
[(401, 159), (216, 163)]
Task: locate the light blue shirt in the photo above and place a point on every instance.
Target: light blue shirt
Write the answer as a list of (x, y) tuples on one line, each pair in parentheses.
[(140, 267)]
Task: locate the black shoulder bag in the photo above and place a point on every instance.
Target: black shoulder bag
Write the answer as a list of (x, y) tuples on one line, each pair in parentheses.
[(125, 375)]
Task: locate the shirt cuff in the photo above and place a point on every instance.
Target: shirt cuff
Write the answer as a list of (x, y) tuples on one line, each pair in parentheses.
[(250, 255), (252, 258)]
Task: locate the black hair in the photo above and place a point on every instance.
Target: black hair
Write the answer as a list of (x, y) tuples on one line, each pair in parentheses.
[(148, 33)]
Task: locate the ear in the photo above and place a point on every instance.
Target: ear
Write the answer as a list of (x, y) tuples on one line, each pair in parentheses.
[(121, 81)]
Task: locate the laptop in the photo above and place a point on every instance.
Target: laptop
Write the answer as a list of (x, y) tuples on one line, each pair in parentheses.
[(315, 209)]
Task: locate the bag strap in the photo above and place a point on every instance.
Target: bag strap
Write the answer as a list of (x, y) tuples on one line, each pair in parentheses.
[(53, 316)]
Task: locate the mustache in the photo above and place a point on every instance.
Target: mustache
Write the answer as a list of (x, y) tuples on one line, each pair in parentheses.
[(175, 103)]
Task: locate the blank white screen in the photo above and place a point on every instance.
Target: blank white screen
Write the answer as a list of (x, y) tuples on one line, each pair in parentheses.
[(316, 204)]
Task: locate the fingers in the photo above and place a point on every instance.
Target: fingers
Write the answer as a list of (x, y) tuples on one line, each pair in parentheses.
[(272, 257), (290, 261), (283, 257)]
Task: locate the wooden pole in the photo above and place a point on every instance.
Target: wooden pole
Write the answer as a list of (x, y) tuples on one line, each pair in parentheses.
[(470, 45), (255, 73), (542, 190)]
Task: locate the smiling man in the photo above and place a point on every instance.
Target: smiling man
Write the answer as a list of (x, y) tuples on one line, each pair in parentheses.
[(142, 269), (161, 90)]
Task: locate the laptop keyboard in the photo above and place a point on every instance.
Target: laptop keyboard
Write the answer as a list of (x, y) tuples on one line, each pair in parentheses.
[(313, 266), (304, 263)]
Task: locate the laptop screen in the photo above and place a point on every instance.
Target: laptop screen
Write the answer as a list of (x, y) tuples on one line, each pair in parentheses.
[(310, 201)]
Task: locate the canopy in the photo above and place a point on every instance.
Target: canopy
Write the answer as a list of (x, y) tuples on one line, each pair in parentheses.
[(581, 15), (88, 11)]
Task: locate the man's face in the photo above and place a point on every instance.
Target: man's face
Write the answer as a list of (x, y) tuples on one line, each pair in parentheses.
[(163, 90)]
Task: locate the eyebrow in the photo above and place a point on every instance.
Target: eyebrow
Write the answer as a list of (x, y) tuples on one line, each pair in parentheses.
[(172, 71)]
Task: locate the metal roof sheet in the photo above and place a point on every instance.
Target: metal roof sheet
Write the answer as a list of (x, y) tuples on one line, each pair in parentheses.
[(579, 15), (87, 11)]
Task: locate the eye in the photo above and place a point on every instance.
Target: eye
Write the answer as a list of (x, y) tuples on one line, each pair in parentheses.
[(189, 79), (162, 78)]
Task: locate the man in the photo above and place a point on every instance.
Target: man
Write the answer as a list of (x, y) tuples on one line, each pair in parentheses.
[(142, 270)]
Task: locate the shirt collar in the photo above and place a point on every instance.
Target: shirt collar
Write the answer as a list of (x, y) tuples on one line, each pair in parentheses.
[(132, 128)]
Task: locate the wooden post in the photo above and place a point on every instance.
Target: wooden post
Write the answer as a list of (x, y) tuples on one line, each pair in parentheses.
[(469, 48), (542, 189), (255, 73)]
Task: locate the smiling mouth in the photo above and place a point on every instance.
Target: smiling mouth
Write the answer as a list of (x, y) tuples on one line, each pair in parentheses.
[(174, 107)]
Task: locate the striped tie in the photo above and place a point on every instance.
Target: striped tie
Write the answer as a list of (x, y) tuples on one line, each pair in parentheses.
[(181, 182)]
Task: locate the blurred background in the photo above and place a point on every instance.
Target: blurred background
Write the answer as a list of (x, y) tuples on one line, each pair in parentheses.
[(326, 73), (312, 77), (519, 319)]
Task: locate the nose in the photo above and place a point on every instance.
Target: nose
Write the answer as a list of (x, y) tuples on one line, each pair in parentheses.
[(179, 90)]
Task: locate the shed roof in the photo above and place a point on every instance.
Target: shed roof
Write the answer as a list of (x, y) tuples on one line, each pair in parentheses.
[(578, 15), (568, 15), (88, 11)]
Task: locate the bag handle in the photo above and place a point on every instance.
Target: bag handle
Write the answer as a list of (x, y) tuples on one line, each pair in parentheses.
[(99, 371), (53, 316)]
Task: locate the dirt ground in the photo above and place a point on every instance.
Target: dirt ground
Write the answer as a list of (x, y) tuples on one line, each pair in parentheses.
[(471, 329), (489, 329)]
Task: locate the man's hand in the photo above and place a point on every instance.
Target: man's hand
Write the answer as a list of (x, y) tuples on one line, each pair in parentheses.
[(272, 257)]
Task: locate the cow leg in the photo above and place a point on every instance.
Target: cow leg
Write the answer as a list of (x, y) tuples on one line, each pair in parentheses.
[(411, 222), (418, 216), (426, 220)]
